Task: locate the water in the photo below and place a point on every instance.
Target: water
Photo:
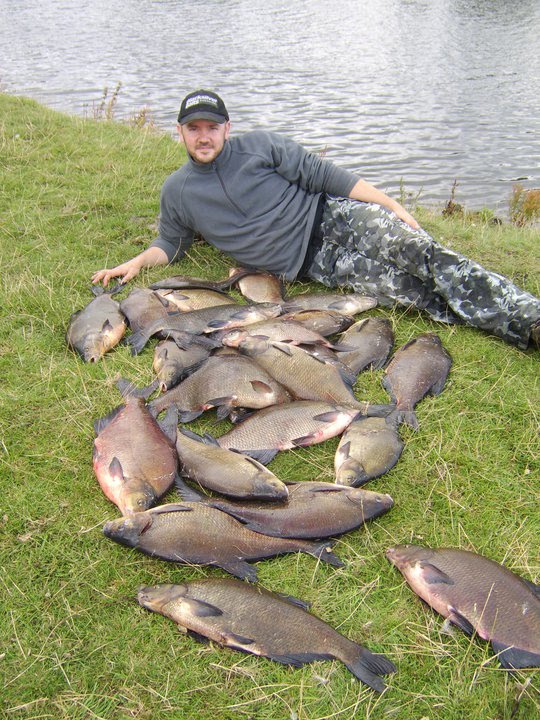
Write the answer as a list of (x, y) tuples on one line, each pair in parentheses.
[(411, 94)]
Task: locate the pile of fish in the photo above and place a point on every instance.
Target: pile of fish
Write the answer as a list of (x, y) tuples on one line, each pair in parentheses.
[(282, 371)]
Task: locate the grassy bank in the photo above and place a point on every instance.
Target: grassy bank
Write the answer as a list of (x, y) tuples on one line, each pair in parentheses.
[(77, 195)]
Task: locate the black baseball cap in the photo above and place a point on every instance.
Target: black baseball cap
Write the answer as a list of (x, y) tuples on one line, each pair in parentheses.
[(202, 105)]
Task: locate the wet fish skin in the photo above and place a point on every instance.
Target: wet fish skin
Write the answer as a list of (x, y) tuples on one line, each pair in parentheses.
[(276, 330), (133, 459), (372, 340), (305, 376), (313, 510), (295, 424), (183, 327), (225, 382), (96, 328), (226, 472), (190, 299), (325, 322), (478, 595), (345, 303), (171, 363), (255, 620), (259, 286), (179, 282), (368, 448), (195, 533), (420, 367), (144, 306)]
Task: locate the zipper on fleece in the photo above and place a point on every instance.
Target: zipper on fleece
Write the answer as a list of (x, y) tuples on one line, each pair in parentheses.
[(229, 198)]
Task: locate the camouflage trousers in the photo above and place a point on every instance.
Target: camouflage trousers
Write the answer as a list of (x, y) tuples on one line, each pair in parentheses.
[(366, 247)]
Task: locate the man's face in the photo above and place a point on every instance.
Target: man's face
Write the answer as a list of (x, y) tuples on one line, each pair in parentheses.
[(204, 139)]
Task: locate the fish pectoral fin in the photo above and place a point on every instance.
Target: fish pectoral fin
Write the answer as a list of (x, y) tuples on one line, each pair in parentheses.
[(116, 470), (171, 507), (304, 440), (199, 608), (328, 417), (263, 456), (185, 416), (514, 658), (234, 640), (294, 601), (434, 576), (198, 637), (285, 349), (345, 450), (210, 439), (107, 326), (456, 618), (260, 387)]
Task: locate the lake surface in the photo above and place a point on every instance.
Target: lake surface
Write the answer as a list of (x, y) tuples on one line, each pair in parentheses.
[(408, 93)]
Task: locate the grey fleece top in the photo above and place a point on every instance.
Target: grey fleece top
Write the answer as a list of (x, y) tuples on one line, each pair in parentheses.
[(256, 202)]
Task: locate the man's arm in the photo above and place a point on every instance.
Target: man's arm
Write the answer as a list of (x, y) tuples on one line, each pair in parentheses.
[(365, 192), (150, 257)]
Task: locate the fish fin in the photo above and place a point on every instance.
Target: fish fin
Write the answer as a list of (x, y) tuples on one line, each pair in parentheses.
[(240, 569), (210, 439), (531, 586), (262, 456), (186, 416), (186, 492), (456, 618), (183, 339), (234, 640), (346, 374), (260, 386), (368, 667), (253, 461), (101, 423), (217, 402), (384, 411), (199, 608), (438, 387), (294, 601), (303, 441), (299, 659), (129, 389), (166, 303), (405, 417), (169, 424), (323, 551), (514, 658), (137, 341), (207, 342), (192, 435), (329, 416), (345, 449), (195, 635), (283, 347), (434, 576), (171, 507), (107, 326), (329, 489), (116, 469)]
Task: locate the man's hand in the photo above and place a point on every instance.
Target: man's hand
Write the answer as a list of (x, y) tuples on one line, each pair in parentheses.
[(126, 271)]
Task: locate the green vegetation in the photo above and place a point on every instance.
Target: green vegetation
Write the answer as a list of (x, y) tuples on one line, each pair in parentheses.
[(77, 195)]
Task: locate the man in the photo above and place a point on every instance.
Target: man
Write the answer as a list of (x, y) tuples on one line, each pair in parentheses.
[(269, 204)]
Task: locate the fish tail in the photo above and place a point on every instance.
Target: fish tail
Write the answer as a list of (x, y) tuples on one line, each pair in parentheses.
[(403, 417), (368, 667)]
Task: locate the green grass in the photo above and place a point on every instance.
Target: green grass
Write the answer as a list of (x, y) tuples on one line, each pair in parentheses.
[(77, 195)]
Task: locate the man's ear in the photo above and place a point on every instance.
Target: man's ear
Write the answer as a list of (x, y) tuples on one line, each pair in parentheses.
[(179, 131)]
